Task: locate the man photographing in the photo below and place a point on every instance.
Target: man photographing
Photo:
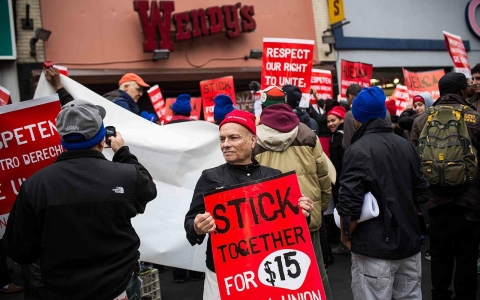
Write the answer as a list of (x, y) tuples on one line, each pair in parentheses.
[(74, 216)]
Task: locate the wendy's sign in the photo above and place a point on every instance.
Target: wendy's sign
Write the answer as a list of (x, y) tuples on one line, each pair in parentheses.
[(232, 19)]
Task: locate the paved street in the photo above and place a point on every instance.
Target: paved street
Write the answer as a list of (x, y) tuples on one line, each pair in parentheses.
[(339, 276)]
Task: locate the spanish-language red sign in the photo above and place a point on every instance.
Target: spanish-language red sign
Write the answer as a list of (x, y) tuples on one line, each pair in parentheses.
[(261, 246), (211, 88), (417, 82), (322, 83), (401, 97), (4, 96), (288, 61), (457, 52), (195, 102), (28, 142), (354, 73), (158, 103)]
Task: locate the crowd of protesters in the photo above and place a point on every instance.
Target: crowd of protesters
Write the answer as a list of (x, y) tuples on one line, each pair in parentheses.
[(370, 148)]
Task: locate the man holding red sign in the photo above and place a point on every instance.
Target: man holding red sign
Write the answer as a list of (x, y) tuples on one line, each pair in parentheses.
[(237, 140)]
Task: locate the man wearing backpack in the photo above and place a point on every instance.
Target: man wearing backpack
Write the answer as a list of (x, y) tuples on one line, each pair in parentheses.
[(454, 204)]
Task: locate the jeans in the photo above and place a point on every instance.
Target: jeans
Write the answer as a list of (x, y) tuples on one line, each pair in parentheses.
[(134, 288), (453, 239), (374, 278)]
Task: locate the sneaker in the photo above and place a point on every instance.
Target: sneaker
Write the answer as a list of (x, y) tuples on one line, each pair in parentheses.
[(427, 255), (11, 288), (340, 250)]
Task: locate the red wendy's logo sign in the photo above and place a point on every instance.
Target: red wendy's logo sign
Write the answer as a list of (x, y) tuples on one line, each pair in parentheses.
[(234, 19)]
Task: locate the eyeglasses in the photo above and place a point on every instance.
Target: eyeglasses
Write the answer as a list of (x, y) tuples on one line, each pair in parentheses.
[(139, 89)]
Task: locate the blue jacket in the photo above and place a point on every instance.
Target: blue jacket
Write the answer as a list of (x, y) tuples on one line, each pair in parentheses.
[(123, 99)]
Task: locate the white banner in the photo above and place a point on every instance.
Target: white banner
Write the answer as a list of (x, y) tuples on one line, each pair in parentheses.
[(175, 155)]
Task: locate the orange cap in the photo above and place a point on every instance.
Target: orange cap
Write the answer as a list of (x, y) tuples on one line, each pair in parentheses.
[(133, 77)]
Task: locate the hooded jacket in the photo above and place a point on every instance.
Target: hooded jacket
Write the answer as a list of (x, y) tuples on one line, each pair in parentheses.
[(388, 166), (307, 120), (288, 145), (471, 198)]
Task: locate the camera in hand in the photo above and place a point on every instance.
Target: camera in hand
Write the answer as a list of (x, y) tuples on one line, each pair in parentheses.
[(110, 132)]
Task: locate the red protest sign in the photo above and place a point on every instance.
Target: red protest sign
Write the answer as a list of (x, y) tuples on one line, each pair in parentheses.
[(322, 83), (288, 61), (28, 142), (457, 52), (418, 82), (211, 88), (195, 102), (262, 247), (158, 103), (4, 96), (401, 97), (354, 72)]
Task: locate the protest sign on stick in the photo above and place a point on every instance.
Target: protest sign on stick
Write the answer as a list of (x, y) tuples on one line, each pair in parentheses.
[(261, 246), (288, 61), (158, 103), (354, 73), (322, 83), (457, 52), (401, 97), (211, 88), (28, 142), (417, 82)]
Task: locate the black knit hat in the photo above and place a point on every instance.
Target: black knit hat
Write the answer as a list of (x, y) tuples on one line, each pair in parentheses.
[(294, 95), (452, 83)]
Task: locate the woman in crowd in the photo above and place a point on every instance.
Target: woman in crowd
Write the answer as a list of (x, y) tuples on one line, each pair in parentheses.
[(421, 102), (335, 119)]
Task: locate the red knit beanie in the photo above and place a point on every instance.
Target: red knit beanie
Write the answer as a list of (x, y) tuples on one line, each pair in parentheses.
[(241, 117), (338, 111), (391, 107)]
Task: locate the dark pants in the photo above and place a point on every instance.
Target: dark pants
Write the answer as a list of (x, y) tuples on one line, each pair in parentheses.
[(4, 273), (134, 289), (453, 239), (32, 281), (182, 273)]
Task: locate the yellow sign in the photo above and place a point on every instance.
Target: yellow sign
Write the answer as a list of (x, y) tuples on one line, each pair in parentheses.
[(336, 11)]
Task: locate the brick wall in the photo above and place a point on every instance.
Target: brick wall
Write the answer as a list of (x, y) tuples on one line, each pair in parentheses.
[(321, 18), (24, 35)]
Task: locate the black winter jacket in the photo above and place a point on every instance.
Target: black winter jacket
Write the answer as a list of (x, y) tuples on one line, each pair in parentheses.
[(222, 176), (387, 165), (75, 216), (336, 156)]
